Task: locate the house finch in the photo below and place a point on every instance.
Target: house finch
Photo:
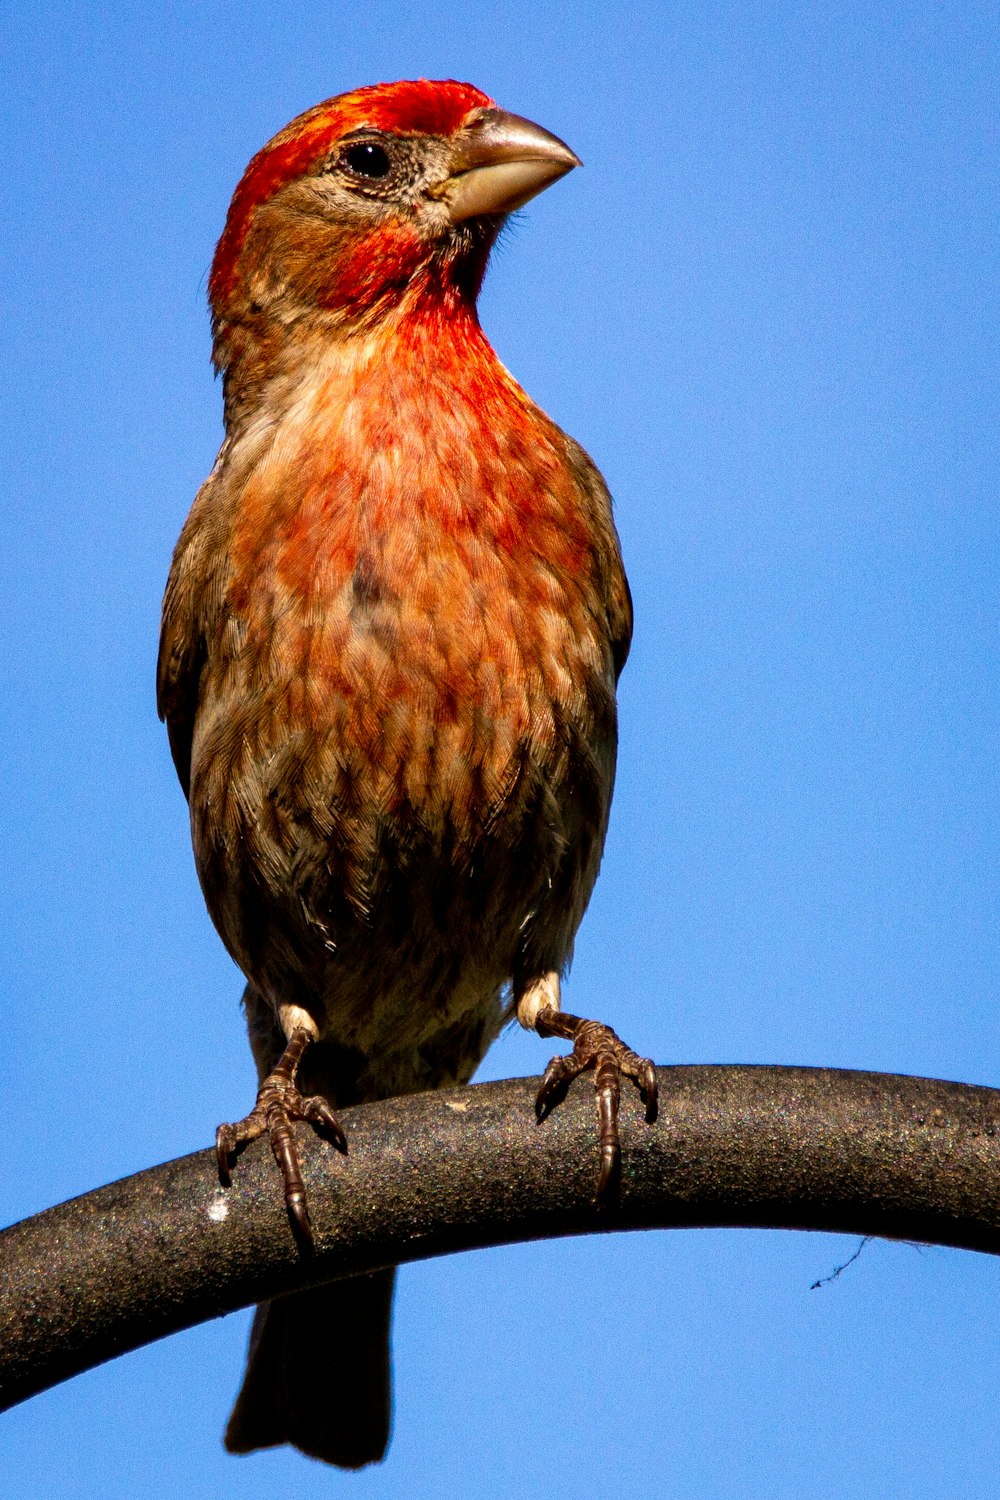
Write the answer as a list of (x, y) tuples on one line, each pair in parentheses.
[(391, 635)]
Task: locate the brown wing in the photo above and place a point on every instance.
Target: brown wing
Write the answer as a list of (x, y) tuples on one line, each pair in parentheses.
[(183, 631), (616, 597)]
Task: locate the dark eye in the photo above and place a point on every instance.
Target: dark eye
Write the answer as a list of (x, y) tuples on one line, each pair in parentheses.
[(366, 159)]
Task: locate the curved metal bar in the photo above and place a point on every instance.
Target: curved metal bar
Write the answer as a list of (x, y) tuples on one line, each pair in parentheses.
[(430, 1174)]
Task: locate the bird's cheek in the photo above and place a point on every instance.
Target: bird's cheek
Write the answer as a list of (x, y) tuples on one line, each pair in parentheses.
[(377, 265)]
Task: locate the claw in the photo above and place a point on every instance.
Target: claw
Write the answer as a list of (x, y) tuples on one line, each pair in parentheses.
[(595, 1046), (317, 1111), (556, 1080), (610, 1172), (279, 1103), (649, 1090), (225, 1150), (298, 1212)]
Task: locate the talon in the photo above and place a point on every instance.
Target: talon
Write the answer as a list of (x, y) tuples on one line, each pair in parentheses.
[(649, 1088), (595, 1046), (555, 1081), (318, 1112), (298, 1212), (279, 1104), (611, 1159), (550, 1085), (225, 1147)]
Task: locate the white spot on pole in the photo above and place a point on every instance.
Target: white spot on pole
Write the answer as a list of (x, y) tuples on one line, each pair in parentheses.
[(218, 1209)]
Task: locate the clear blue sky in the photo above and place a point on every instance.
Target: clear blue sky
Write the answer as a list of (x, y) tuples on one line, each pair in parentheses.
[(768, 308)]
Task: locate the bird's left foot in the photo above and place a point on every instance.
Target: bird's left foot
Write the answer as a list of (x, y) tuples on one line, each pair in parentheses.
[(595, 1046)]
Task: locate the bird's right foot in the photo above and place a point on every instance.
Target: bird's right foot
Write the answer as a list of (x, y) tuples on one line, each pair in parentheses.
[(279, 1103)]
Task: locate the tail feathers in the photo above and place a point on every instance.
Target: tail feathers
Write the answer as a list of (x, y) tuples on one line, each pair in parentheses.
[(318, 1374)]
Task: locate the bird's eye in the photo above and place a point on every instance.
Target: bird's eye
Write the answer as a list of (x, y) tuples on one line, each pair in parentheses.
[(366, 159)]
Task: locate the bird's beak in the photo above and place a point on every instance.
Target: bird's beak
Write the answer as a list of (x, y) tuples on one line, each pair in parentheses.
[(499, 161)]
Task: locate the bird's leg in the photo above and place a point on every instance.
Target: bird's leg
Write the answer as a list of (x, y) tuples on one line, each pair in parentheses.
[(279, 1102), (594, 1046)]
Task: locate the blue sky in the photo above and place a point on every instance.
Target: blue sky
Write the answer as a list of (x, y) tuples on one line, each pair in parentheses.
[(767, 306)]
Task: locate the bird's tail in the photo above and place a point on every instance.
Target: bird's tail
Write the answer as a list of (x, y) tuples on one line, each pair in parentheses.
[(318, 1374)]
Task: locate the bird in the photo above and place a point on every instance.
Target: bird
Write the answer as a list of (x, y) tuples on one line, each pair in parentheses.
[(391, 636)]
